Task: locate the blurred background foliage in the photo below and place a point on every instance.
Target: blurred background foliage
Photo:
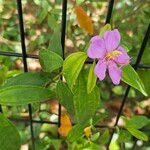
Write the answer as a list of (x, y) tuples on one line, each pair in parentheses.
[(42, 21)]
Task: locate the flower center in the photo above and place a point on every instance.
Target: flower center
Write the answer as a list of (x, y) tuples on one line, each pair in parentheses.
[(113, 54)]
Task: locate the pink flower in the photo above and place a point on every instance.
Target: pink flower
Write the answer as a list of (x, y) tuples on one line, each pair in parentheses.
[(111, 56)]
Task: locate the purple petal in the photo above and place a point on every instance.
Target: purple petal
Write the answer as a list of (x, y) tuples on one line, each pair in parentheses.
[(124, 58), (115, 73), (95, 38), (100, 69), (112, 39), (97, 48)]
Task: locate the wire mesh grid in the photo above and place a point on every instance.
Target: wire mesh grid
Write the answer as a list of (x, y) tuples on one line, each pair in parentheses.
[(24, 56)]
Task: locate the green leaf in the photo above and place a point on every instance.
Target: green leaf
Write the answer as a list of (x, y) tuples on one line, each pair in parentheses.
[(95, 136), (24, 94), (37, 2), (43, 13), (65, 96), (118, 90), (136, 122), (104, 137), (49, 60), (85, 104), (144, 75), (79, 2), (139, 121), (77, 131), (124, 136), (130, 77), (56, 143), (3, 73), (52, 22), (125, 43), (138, 134), (9, 136), (72, 67), (91, 79), (91, 146), (55, 42), (114, 145), (98, 118), (125, 47), (107, 27), (29, 78)]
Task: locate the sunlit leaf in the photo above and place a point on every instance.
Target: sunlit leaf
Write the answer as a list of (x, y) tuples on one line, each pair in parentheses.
[(79, 1), (131, 77), (95, 136), (114, 145), (124, 136), (84, 20), (107, 27), (125, 47), (56, 143), (144, 75), (138, 134), (72, 67), (136, 121), (91, 79), (104, 137)]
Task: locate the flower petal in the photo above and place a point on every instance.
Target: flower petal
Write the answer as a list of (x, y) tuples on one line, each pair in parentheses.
[(100, 69), (97, 48), (112, 39), (124, 58), (115, 73), (95, 38)]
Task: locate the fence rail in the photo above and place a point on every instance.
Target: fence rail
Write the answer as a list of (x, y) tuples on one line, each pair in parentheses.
[(25, 56)]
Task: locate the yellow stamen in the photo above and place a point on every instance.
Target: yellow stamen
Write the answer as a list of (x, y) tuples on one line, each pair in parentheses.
[(113, 54), (88, 132)]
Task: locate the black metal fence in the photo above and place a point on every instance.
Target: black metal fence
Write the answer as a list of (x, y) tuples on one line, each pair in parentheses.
[(24, 56)]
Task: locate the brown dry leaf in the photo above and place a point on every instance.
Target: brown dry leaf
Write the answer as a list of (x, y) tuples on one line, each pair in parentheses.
[(54, 106), (115, 105), (66, 125), (84, 20), (88, 132)]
